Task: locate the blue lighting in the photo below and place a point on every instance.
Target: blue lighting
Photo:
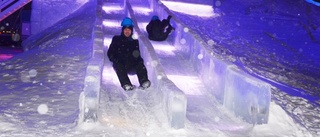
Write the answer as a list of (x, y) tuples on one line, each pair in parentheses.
[(315, 2)]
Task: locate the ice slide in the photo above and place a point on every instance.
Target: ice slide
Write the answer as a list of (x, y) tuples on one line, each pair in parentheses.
[(152, 97), (178, 95)]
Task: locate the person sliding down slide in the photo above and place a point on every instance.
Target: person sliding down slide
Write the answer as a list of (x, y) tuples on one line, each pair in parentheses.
[(124, 53), (159, 30)]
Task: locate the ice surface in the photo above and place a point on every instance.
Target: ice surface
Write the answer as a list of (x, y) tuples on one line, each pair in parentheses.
[(175, 99)]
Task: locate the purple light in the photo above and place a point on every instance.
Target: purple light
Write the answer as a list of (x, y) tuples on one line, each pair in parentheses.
[(4, 57)]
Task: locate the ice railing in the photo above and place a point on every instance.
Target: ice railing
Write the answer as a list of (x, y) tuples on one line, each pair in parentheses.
[(241, 93), (89, 98), (174, 99)]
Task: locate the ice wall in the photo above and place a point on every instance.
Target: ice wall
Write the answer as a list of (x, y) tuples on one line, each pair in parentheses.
[(242, 94), (46, 13)]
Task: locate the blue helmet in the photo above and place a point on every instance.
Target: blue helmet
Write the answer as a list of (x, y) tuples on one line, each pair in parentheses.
[(126, 22), (154, 17)]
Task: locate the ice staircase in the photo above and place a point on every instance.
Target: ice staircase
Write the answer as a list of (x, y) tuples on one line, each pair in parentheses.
[(8, 7)]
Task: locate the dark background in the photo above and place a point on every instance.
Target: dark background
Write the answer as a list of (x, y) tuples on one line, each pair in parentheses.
[(10, 27)]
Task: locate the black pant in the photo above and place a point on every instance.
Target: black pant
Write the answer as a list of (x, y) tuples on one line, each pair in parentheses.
[(123, 71)]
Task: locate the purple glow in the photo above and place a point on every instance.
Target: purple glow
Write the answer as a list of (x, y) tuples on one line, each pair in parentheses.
[(4, 57)]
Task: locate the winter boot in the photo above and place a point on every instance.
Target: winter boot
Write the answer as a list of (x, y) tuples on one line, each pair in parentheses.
[(145, 84), (128, 87)]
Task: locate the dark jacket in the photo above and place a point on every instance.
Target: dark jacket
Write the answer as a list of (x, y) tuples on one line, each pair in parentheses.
[(156, 30), (125, 51)]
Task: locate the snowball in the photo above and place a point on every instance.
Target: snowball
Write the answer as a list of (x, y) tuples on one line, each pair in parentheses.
[(136, 53), (33, 73), (16, 37), (216, 119), (159, 77), (200, 56), (183, 41), (186, 29), (135, 36), (154, 63), (218, 3), (42, 109), (211, 42)]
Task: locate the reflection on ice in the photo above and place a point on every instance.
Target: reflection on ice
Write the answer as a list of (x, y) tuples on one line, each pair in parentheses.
[(188, 84), (142, 10), (164, 48), (111, 23), (109, 9)]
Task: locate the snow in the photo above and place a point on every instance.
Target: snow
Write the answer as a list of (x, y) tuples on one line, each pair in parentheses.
[(41, 88)]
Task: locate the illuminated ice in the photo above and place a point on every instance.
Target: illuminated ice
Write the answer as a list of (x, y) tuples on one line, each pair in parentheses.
[(247, 97)]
